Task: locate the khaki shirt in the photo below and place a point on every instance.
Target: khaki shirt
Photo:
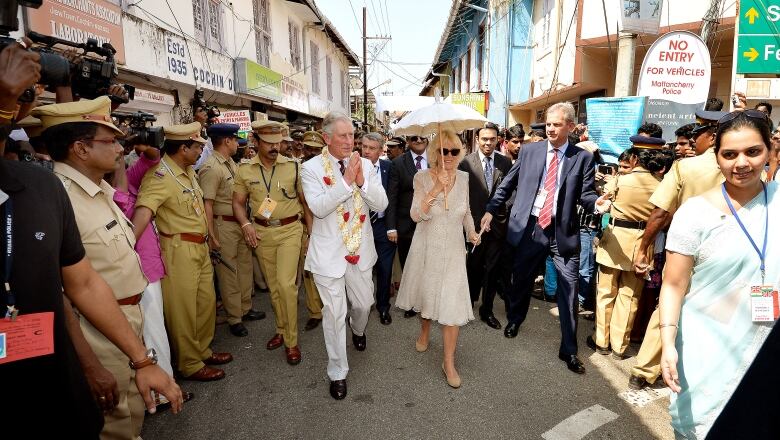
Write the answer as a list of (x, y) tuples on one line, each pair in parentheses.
[(630, 196), (255, 180), (105, 231), (216, 177), (175, 198), (687, 178)]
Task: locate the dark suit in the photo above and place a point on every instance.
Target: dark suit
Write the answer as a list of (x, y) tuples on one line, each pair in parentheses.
[(400, 191), (560, 239), (481, 264), (385, 249)]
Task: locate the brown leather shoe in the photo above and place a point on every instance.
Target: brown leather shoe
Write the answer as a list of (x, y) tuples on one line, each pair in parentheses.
[(293, 355), (218, 359), (207, 374), (275, 342)]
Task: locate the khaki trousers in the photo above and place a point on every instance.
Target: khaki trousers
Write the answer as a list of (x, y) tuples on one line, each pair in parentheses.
[(313, 301), (189, 302), (617, 300), (279, 249), (125, 421), (235, 287), (648, 360)]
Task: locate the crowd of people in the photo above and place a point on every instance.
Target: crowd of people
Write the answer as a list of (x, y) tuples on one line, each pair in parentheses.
[(145, 240)]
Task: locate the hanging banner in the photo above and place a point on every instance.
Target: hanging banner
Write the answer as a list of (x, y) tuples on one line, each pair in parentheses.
[(612, 121), (240, 117), (641, 16), (675, 76)]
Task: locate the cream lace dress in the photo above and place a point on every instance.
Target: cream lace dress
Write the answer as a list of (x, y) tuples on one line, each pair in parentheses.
[(434, 281)]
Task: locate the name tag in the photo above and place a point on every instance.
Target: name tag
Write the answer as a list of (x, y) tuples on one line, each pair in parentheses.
[(27, 336), (110, 225), (541, 196), (267, 208), (764, 305)]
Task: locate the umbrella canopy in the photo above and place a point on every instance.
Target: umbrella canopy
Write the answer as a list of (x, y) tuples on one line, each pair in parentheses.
[(437, 117)]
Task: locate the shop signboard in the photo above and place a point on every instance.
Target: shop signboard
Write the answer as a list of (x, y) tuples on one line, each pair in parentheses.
[(473, 100), (257, 80), (76, 21)]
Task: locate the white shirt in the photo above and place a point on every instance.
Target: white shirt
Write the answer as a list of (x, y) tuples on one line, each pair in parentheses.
[(492, 160), (378, 169), (423, 162), (561, 158), (208, 150)]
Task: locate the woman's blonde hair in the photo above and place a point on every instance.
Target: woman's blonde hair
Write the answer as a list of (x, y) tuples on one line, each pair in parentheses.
[(449, 140)]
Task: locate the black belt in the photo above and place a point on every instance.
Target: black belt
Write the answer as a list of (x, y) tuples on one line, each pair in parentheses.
[(627, 223)]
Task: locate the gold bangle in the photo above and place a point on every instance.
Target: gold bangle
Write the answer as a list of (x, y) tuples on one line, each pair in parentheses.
[(431, 201), (667, 325)]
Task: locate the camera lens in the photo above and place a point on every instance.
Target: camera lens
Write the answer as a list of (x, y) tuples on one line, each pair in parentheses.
[(55, 70)]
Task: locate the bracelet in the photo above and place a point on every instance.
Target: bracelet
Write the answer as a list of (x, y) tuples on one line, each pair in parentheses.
[(431, 201), (247, 223), (667, 325)]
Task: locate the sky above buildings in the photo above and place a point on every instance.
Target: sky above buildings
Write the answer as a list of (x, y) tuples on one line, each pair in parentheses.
[(415, 27)]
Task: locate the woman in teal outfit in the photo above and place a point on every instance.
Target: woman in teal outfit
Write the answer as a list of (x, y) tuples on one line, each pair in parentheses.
[(716, 248)]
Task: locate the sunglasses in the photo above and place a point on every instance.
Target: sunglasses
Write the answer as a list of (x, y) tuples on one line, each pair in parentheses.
[(454, 152), (751, 113), (417, 139)]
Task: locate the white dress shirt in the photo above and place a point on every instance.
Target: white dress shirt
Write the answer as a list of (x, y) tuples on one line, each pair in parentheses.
[(378, 169), (423, 162), (482, 160), (561, 157)]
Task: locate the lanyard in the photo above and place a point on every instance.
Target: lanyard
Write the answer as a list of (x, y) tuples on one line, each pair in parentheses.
[(9, 237), (268, 182), (761, 253), (176, 178)]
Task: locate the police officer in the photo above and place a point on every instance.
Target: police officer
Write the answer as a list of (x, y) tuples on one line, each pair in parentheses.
[(272, 184), (313, 143), (216, 177), (171, 193), (619, 287), (82, 140)]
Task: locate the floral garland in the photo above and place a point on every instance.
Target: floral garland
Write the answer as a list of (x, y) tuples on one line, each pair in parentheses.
[(351, 226)]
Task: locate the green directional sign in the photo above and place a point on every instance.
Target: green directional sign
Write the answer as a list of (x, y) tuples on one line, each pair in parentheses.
[(758, 47)]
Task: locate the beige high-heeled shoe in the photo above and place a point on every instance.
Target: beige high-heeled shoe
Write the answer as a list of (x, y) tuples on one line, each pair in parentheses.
[(453, 382), (420, 347)]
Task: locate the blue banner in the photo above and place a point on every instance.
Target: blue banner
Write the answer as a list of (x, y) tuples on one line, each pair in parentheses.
[(611, 121)]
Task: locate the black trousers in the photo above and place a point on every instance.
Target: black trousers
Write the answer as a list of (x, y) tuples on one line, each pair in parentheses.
[(482, 269), (404, 243), (530, 254), (385, 251)]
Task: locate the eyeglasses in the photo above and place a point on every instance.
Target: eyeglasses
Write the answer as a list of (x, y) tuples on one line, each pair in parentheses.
[(103, 141), (454, 152), (750, 113)]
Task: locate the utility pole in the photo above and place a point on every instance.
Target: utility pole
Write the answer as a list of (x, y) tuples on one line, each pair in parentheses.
[(365, 72)]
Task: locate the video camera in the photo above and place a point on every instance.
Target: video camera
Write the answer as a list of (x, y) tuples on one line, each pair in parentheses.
[(138, 132), (212, 112), (91, 77)]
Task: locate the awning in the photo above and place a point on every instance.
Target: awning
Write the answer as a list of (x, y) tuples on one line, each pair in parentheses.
[(567, 93)]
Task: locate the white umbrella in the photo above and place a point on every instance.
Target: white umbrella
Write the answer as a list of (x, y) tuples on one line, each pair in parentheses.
[(437, 117)]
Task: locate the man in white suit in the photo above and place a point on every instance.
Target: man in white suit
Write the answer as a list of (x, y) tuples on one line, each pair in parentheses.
[(340, 188)]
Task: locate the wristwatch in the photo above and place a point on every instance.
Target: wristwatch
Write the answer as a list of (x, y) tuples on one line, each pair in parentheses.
[(150, 359)]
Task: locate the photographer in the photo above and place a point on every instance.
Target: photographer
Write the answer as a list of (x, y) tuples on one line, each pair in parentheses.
[(43, 230)]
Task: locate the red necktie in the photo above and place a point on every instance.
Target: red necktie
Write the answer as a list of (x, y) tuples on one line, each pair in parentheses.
[(545, 215)]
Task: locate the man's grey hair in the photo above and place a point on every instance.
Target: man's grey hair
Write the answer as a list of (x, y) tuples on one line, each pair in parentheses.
[(331, 118), (566, 108), (376, 137)]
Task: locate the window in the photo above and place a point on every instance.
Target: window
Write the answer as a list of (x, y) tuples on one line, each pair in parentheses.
[(482, 58), (315, 68), (262, 31), (295, 45), (456, 83), (546, 22), (329, 78), (207, 20)]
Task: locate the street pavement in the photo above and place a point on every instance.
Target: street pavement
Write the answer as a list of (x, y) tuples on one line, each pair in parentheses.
[(512, 388)]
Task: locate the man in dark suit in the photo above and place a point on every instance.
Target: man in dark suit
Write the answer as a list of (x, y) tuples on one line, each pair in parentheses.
[(400, 190), (372, 146), (550, 179), (486, 169)]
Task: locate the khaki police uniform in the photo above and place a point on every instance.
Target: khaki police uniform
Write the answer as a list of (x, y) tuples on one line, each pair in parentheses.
[(278, 237), (217, 178), (313, 140), (619, 288), (189, 301), (109, 243), (687, 178)]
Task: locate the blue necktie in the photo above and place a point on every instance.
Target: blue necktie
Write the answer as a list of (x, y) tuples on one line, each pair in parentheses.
[(488, 173)]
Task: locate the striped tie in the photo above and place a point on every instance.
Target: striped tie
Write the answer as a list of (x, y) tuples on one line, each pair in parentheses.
[(545, 215)]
